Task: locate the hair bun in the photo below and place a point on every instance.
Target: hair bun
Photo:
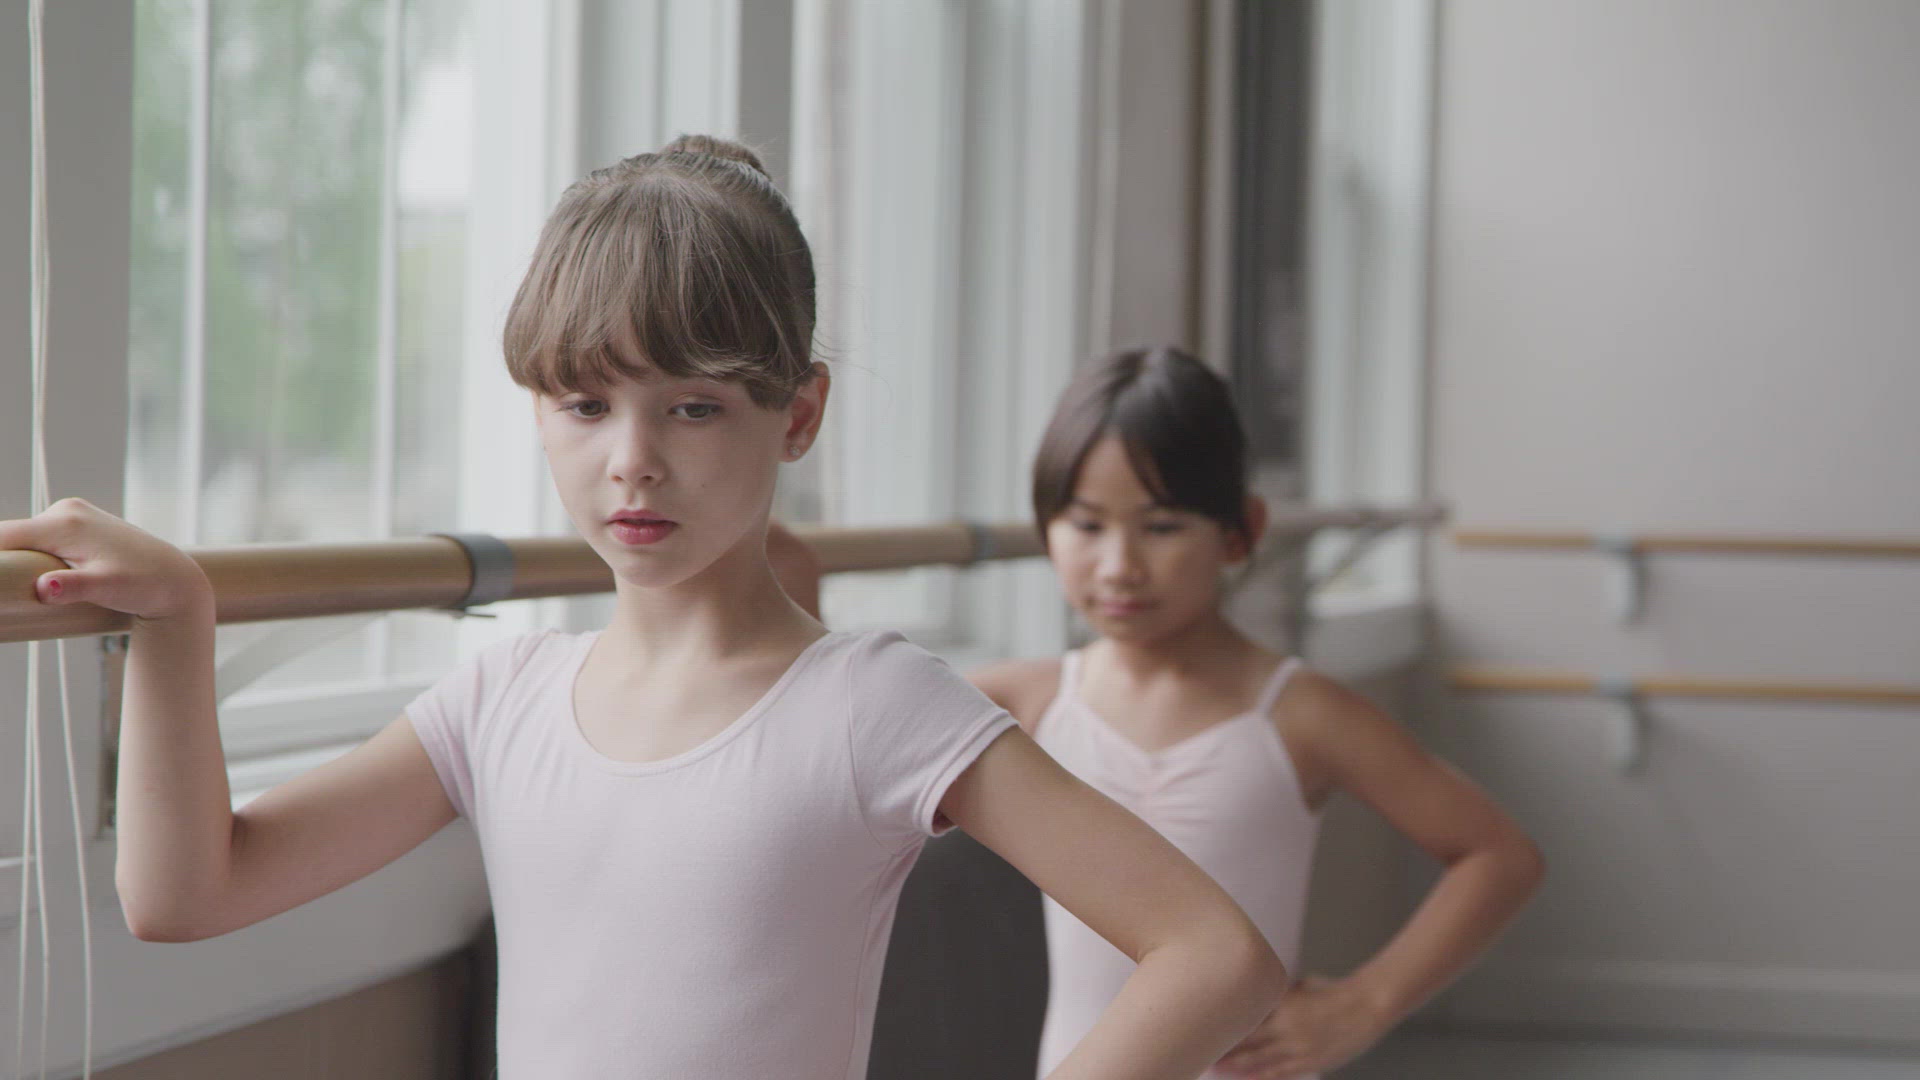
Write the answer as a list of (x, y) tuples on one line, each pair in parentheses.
[(715, 146)]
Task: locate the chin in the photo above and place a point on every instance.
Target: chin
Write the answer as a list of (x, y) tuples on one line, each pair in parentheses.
[(1128, 630), (1161, 625), (644, 569)]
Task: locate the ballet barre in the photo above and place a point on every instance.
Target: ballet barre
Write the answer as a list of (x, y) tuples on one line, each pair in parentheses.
[(1693, 543), (1629, 552), (1539, 681), (1628, 734), (257, 582)]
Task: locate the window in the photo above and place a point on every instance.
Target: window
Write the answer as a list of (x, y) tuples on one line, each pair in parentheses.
[(937, 170), (567, 86), (322, 250), (1332, 275), (312, 282)]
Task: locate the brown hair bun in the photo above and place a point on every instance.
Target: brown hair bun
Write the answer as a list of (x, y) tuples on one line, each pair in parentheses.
[(715, 146)]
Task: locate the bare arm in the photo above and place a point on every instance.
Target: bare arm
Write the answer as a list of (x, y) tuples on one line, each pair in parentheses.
[(1205, 977), (1492, 868), (186, 866), (1344, 741)]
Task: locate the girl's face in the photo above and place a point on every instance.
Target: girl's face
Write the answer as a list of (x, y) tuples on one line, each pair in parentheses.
[(663, 476), (1137, 570)]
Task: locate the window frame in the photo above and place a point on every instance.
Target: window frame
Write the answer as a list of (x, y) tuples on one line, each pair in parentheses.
[(1369, 194)]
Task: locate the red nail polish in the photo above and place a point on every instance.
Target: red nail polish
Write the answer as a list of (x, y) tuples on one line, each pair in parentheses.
[(53, 587)]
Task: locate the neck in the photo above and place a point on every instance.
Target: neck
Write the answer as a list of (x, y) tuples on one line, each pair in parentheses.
[(732, 606), (1207, 644)]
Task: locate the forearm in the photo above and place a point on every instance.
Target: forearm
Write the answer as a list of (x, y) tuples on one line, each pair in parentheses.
[(1466, 909), (1185, 1005), (174, 821)]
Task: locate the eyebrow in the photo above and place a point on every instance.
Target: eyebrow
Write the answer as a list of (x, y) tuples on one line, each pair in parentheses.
[(1088, 504), (650, 376)]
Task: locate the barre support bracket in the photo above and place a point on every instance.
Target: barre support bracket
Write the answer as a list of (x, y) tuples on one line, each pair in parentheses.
[(492, 563)]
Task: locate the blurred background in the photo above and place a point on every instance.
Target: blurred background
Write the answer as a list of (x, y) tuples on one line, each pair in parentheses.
[(1614, 270)]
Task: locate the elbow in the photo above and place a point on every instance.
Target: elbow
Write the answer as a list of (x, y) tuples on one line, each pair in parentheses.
[(158, 932), (148, 921), (1273, 978), (1529, 865), (1260, 973), (147, 926)]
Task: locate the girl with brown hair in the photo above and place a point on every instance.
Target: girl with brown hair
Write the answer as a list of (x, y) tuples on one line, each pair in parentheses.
[(696, 821)]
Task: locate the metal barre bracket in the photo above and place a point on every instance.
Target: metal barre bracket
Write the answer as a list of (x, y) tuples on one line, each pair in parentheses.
[(1629, 590), (1630, 722), (984, 547), (492, 562)]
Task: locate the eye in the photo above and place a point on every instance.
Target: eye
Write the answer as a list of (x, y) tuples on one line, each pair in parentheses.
[(1086, 525), (592, 403), (696, 410), (1165, 528)]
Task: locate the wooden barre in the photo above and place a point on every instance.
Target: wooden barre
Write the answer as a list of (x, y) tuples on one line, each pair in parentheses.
[(291, 581), (1536, 681), (256, 582), (1694, 543)]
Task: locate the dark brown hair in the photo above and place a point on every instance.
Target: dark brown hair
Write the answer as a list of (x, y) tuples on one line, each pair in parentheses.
[(688, 261), (1175, 418)]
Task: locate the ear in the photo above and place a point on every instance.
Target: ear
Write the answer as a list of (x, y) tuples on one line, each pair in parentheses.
[(805, 412), (1243, 547)]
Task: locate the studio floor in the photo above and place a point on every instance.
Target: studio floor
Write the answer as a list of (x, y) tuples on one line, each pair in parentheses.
[(1436, 1057)]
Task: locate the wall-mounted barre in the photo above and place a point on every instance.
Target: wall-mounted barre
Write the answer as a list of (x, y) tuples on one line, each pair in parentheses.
[(1564, 682), (1695, 543), (290, 581), (1629, 551), (1629, 696)]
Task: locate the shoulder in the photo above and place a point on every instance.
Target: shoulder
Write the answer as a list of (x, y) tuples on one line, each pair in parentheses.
[(1328, 725), (472, 691), (1313, 698), (519, 671), (885, 669), (1022, 687), (520, 654), (872, 653)]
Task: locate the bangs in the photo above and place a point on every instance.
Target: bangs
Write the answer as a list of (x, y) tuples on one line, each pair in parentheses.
[(1174, 419), (658, 273)]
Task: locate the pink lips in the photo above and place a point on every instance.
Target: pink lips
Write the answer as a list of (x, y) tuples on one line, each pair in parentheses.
[(640, 529), (1119, 609)]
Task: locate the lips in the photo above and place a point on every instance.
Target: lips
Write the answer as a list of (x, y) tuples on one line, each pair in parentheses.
[(1119, 608), (638, 517), (639, 528)]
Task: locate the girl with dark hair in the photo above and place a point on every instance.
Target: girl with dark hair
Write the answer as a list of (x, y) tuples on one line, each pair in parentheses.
[(1228, 750), (1140, 493)]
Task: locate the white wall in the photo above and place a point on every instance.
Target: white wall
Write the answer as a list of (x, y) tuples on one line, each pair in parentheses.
[(1676, 269)]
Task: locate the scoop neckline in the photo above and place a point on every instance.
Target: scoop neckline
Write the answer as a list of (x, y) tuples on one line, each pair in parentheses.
[(593, 755)]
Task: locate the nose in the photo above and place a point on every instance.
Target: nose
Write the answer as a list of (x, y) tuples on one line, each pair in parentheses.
[(636, 458), (1120, 564)]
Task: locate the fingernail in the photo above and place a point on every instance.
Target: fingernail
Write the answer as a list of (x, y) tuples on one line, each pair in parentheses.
[(53, 586)]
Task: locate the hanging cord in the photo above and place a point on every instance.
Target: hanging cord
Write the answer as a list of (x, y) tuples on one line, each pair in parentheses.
[(33, 841)]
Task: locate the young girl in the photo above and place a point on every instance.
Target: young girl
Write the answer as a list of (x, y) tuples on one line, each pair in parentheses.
[(696, 821), (1230, 751)]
